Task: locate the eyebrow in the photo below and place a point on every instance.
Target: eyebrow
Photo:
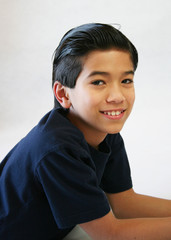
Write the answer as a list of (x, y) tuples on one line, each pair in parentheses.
[(107, 74), (98, 73), (129, 72)]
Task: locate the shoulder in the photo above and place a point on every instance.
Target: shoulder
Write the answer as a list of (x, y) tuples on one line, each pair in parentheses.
[(58, 129), (53, 131)]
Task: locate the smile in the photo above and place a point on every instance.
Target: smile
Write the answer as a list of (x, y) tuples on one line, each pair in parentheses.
[(113, 113)]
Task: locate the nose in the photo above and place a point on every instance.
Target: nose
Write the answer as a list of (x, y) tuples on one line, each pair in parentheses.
[(115, 94)]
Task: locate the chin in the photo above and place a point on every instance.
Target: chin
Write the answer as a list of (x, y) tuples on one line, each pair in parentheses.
[(115, 130)]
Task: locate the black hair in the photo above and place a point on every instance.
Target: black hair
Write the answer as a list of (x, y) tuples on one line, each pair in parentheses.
[(78, 42)]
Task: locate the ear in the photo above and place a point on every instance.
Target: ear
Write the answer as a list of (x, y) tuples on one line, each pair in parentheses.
[(61, 94)]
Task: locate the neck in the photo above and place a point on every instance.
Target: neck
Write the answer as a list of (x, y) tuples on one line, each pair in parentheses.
[(94, 140), (92, 136)]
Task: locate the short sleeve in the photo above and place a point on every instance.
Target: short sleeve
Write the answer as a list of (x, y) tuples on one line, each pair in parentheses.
[(68, 178), (117, 174)]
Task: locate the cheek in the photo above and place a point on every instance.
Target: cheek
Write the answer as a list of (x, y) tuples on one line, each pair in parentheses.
[(83, 100), (131, 98), (91, 98)]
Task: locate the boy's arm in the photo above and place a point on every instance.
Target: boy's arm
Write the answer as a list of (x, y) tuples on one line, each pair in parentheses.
[(110, 228), (129, 204)]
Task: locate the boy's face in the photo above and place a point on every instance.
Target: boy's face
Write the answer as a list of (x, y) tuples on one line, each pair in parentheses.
[(104, 94)]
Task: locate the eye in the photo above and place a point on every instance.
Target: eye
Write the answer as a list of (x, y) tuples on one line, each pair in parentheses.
[(98, 82), (127, 81)]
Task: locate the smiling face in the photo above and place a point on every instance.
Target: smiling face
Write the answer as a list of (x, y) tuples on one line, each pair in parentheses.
[(104, 94)]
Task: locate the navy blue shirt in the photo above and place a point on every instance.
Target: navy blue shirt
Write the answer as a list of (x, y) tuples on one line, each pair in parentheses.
[(53, 179)]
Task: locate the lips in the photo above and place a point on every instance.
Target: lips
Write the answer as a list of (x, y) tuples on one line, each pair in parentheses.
[(114, 114)]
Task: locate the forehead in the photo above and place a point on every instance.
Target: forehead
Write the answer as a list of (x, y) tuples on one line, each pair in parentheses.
[(108, 60)]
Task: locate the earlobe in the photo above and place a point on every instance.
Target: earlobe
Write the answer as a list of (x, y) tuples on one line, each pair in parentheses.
[(61, 95)]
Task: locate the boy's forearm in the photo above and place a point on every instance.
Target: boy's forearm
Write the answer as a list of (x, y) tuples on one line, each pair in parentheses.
[(110, 228), (147, 206), (129, 204), (143, 229)]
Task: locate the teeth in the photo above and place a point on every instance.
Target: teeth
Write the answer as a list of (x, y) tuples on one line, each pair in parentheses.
[(113, 113), (117, 113)]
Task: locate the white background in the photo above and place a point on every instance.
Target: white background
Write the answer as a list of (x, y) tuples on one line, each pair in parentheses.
[(29, 33)]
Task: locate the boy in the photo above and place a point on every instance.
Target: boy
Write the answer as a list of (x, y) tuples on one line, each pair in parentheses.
[(72, 167)]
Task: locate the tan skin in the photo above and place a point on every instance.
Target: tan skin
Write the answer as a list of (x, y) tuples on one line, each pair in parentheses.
[(105, 85)]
